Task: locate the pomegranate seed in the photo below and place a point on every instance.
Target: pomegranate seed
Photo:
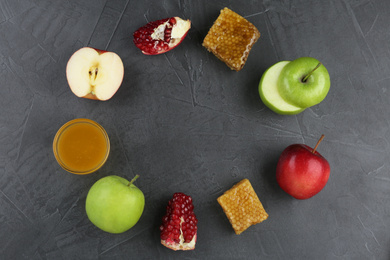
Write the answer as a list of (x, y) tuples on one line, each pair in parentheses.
[(172, 21)]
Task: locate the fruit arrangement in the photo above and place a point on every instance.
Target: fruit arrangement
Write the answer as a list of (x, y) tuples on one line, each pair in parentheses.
[(115, 204)]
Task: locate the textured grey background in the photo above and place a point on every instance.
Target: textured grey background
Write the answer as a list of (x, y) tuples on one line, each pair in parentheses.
[(185, 122)]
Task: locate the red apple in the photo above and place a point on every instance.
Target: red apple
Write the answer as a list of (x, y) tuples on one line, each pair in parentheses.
[(302, 172), (94, 74)]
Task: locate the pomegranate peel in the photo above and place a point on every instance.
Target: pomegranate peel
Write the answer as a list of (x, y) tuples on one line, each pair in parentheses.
[(179, 224), (160, 36)]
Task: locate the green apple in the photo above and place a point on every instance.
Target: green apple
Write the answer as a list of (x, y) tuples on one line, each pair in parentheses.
[(304, 82), (114, 204), (269, 93)]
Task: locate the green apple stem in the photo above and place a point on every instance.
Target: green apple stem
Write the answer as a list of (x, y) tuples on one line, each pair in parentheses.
[(133, 180), (318, 143), (311, 72)]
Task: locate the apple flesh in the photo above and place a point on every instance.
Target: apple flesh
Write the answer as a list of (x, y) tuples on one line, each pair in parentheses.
[(94, 74), (301, 171), (304, 82), (269, 92), (114, 204)]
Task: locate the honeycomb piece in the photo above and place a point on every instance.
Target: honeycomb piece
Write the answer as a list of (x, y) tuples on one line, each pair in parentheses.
[(242, 206), (231, 38)]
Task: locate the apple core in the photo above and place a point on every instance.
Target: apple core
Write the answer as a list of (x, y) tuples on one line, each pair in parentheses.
[(81, 146)]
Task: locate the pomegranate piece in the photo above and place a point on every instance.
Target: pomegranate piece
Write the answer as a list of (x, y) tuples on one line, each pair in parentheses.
[(161, 36), (179, 225)]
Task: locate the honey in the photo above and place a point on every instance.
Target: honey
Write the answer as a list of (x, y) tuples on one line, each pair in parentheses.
[(231, 38), (81, 146), (242, 206)]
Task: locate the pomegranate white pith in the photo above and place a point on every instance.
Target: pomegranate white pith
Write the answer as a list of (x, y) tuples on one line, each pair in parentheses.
[(94, 74), (160, 36)]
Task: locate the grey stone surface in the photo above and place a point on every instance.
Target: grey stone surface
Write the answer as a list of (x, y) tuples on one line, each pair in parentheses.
[(185, 122)]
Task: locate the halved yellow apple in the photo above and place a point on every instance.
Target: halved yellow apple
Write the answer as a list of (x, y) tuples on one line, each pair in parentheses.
[(94, 74)]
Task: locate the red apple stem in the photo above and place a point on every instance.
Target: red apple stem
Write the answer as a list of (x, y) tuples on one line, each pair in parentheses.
[(311, 72), (133, 180), (318, 143)]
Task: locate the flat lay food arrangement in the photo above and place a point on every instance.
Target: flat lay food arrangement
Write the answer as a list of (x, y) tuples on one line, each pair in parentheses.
[(194, 137), (115, 205)]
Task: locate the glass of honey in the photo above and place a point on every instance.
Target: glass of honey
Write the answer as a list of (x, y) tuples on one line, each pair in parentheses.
[(81, 146)]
